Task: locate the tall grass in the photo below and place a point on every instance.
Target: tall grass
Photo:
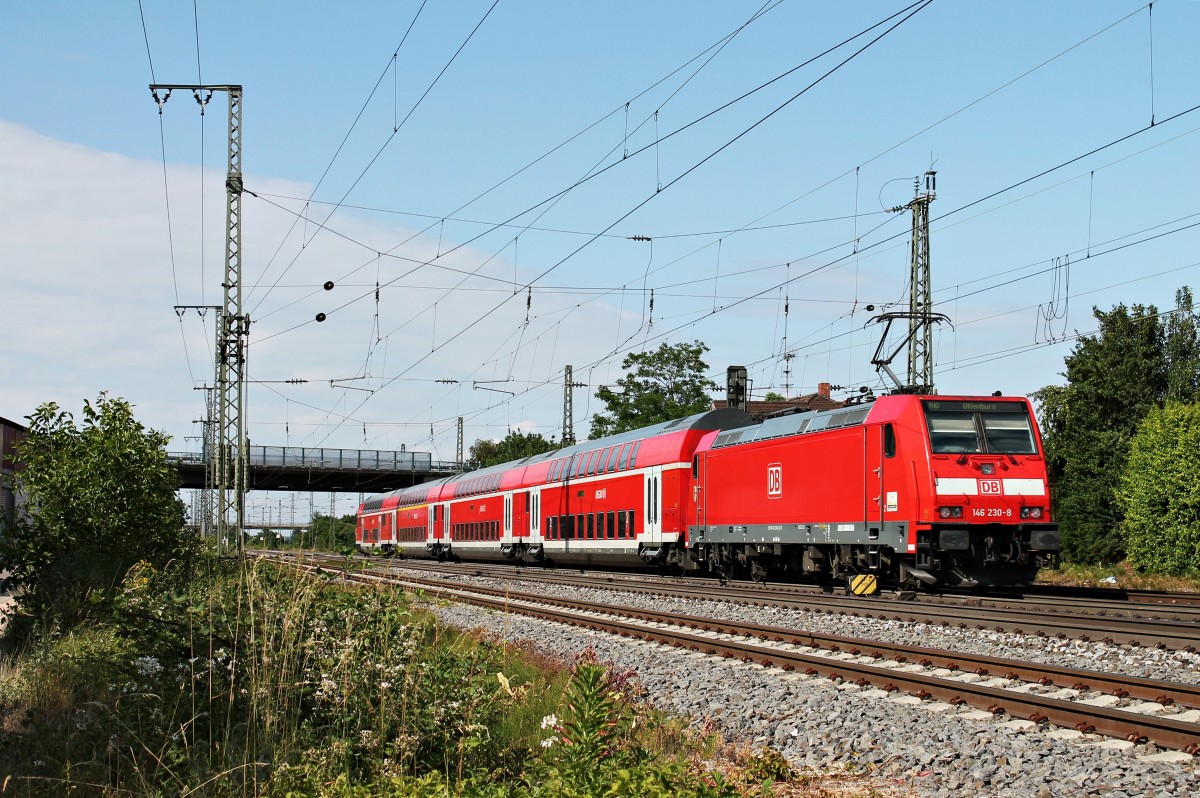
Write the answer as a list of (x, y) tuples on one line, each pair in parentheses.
[(256, 680)]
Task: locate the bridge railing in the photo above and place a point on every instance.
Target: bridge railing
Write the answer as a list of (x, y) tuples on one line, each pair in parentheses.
[(331, 459)]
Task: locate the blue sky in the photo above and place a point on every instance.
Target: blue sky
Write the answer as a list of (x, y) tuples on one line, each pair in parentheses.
[(739, 206)]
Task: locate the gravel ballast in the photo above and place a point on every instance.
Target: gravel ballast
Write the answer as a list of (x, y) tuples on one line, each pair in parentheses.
[(928, 747)]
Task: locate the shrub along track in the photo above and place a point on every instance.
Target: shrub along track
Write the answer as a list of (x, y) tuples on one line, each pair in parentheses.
[(1166, 713)]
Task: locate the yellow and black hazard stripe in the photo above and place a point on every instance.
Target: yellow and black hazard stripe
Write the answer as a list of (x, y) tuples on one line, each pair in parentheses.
[(864, 585)]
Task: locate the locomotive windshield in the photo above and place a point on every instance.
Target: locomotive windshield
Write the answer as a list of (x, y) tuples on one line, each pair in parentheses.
[(980, 427)]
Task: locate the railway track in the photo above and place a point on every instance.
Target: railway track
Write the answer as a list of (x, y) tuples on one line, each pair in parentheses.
[(1114, 705), (1177, 630)]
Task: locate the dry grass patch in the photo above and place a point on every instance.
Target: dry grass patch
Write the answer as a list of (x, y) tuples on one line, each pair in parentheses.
[(1127, 578)]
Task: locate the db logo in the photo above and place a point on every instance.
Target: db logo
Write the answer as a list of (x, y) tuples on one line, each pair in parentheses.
[(774, 480), (989, 487)]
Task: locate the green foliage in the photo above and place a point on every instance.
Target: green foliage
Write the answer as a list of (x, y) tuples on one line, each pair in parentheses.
[(1138, 362), (659, 386), (767, 765), (1160, 491), (262, 681), (102, 497), (595, 750), (772, 396), (1113, 380), (325, 533), (1183, 350), (513, 446)]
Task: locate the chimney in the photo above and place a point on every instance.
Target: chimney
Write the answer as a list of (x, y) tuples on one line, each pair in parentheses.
[(823, 390)]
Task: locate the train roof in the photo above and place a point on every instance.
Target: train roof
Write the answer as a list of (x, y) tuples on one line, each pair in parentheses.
[(794, 424), (706, 421), (850, 416)]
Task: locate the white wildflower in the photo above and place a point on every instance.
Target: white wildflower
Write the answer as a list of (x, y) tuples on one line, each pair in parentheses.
[(549, 722), (147, 666), (548, 742)]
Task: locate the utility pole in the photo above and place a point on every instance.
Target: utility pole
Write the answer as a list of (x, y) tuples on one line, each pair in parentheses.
[(459, 449), (207, 503), (232, 342), (208, 444), (920, 292), (920, 315), (568, 436)]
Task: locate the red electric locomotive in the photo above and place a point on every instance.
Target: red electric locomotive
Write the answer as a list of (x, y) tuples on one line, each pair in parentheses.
[(913, 489), (919, 489)]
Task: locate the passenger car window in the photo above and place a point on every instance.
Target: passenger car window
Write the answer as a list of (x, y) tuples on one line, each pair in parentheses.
[(624, 461)]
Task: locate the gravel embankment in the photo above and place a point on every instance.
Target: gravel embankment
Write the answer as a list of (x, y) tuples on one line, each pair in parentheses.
[(931, 748)]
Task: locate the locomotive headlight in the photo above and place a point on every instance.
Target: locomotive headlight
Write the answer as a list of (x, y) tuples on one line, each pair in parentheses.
[(950, 512), (1031, 512)]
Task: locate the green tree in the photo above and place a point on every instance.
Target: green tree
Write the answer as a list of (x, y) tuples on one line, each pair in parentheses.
[(513, 446), (1183, 350), (101, 498), (1160, 491), (327, 533), (1113, 379), (772, 396), (658, 386)]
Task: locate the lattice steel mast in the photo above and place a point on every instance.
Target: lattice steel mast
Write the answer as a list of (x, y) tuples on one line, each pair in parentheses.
[(920, 315), (232, 341), (568, 435), (920, 292)]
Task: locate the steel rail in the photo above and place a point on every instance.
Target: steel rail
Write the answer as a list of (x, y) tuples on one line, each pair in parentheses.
[(1152, 690), (1181, 635), (1163, 634), (1165, 731)]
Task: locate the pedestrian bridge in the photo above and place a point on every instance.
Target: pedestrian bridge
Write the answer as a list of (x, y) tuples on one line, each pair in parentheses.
[(298, 468)]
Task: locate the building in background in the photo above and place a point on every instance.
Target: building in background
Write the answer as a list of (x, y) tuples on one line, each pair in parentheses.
[(11, 433), (759, 410)]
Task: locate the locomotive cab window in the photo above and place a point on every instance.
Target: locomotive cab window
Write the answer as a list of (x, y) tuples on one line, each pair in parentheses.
[(1008, 433), (889, 442), (979, 427)]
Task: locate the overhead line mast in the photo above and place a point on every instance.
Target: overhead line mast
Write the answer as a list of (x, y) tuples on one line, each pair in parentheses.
[(920, 292), (920, 315), (232, 341)]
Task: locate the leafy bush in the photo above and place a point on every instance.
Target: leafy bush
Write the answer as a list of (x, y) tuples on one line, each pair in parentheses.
[(1160, 491), (101, 497)]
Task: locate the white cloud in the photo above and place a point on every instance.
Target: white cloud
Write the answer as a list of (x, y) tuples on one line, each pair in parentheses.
[(89, 290)]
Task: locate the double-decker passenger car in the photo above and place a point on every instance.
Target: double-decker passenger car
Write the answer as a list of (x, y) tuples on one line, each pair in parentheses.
[(916, 489)]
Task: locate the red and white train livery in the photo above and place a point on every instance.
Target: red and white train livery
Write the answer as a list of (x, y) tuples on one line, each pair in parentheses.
[(915, 489)]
